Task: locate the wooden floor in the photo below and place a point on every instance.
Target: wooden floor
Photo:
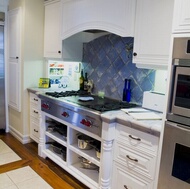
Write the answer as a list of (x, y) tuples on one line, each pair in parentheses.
[(48, 170)]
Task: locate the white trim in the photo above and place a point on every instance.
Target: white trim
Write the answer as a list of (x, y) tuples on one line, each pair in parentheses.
[(22, 138)]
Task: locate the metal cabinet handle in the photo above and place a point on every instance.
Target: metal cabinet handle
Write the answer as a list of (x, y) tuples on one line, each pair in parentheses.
[(17, 57), (132, 159), (35, 99), (134, 138), (35, 130), (126, 187), (35, 112)]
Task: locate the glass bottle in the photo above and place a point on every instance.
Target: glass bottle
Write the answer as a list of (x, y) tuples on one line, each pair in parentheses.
[(86, 82), (127, 90), (81, 80)]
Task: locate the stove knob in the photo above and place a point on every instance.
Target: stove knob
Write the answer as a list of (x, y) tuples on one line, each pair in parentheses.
[(45, 106), (83, 121), (86, 122), (65, 114)]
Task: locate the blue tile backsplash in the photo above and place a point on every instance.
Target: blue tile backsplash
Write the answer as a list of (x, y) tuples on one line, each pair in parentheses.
[(108, 61)]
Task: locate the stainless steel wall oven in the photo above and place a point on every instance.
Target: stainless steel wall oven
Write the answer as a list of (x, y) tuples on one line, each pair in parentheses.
[(175, 158)]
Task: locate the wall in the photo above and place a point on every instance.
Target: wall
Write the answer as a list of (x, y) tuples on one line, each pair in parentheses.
[(108, 61)]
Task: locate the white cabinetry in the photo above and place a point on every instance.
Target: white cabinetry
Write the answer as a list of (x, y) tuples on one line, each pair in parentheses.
[(181, 22), (135, 155), (68, 157), (69, 49), (35, 117), (14, 58), (52, 30), (153, 30), (117, 17)]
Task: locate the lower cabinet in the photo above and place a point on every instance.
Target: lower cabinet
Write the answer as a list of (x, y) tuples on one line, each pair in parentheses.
[(125, 179), (62, 145), (35, 117), (135, 155)]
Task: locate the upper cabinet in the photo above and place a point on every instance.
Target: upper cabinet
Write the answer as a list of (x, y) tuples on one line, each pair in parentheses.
[(181, 22), (153, 30), (108, 15), (52, 30)]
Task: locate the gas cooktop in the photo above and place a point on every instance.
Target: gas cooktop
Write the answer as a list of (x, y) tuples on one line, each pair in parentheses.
[(93, 102)]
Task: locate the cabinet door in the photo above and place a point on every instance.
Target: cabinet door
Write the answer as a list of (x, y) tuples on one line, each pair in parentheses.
[(181, 22), (52, 30), (153, 30), (14, 38), (124, 179)]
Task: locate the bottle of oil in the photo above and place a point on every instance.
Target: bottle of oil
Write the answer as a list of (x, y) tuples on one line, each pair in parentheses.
[(81, 80), (85, 82)]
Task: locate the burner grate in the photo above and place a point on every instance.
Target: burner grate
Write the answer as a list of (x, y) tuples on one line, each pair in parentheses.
[(111, 106), (66, 93)]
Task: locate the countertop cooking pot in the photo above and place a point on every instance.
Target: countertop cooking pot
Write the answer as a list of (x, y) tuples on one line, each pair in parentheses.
[(84, 142)]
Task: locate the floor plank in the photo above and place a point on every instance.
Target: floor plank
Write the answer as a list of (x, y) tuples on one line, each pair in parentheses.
[(47, 169)]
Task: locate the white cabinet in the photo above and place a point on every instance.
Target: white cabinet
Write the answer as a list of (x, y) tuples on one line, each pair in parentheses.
[(181, 21), (135, 155), (35, 117), (57, 134), (69, 49), (117, 17), (52, 30), (153, 30), (14, 59)]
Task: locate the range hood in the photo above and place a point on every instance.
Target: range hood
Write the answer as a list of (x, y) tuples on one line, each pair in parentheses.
[(98, 17)]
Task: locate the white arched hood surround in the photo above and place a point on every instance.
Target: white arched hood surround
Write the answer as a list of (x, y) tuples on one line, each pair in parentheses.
[(113, 16)]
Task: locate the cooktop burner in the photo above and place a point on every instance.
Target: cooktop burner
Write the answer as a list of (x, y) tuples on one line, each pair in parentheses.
[(98, 103), (66, 93)]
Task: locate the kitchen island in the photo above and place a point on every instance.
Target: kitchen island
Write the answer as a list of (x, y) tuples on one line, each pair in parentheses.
[(128, 148)]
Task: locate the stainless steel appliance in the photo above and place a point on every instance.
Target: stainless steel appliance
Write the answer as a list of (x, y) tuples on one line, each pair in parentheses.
[(80, 108), (180, 89), (175, 158), (2, 81)]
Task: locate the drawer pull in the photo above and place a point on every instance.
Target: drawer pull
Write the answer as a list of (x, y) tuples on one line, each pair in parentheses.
[(134, 138), (36, 99), (35, 130), (126, 187), (35, 112), (132, 159)]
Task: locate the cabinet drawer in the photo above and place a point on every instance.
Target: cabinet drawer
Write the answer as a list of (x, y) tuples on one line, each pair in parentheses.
[(136, 139), (35, 101), (124, 179), (34, 128), (141, 163), (35, 112)]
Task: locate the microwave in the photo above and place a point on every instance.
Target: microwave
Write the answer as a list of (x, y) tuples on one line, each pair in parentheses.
[(180, 90)]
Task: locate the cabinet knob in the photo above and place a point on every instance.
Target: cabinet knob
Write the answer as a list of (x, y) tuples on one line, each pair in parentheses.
[(17, 57), (59, 52), (134, 54)]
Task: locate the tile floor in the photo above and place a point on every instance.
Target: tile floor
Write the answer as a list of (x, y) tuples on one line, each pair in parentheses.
[(7, 155), (23, 178)]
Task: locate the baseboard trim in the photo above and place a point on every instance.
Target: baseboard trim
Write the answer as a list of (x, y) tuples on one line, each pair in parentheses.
[(24, 139)]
